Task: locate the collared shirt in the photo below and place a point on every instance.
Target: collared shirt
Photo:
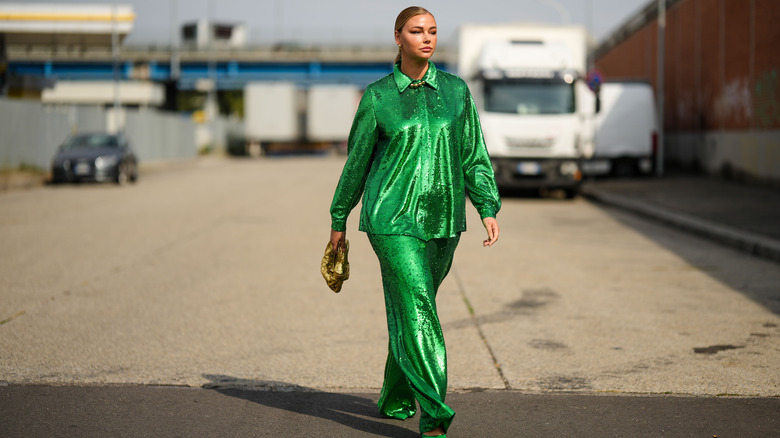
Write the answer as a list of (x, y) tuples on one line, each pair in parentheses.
[(414, 151)]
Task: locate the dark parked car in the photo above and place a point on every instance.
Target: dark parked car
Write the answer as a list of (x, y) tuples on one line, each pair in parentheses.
[(95, 157)]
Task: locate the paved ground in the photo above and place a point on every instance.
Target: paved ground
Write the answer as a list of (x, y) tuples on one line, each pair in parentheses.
[(193, 412), (584, 320)]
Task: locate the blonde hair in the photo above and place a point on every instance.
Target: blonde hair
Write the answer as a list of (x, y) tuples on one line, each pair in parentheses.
[(403, 17)]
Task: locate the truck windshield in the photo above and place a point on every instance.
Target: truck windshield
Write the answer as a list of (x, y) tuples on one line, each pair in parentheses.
[(529, 97)]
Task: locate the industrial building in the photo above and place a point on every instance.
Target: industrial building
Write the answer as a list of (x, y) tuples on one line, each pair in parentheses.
[(44, 43), (721, 74), (40, 30), (721, 81)]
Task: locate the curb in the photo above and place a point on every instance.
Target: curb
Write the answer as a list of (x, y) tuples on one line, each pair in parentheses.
[(755, 244)]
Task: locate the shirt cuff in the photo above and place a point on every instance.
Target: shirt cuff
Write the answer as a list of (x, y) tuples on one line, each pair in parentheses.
[(338, 224), (487, 212)]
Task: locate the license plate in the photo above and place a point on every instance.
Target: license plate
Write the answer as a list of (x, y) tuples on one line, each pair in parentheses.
[(81, 169), (529, 168)]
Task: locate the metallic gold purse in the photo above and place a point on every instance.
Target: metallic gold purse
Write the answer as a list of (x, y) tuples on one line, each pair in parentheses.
[(335, 266)]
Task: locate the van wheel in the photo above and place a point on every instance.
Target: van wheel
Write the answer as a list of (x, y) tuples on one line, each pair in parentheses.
[(624, 169)]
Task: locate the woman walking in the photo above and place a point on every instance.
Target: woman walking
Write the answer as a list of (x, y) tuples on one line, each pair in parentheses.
[(415, 151)]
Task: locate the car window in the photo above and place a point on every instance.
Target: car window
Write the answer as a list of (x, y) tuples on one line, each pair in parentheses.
[(91, 141)]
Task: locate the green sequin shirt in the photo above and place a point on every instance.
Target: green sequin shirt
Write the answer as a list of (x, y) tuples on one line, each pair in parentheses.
[(415, 151)]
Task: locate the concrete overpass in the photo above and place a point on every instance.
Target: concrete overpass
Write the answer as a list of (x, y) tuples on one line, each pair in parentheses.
[(72, 46), (42, 44), (230, 69)]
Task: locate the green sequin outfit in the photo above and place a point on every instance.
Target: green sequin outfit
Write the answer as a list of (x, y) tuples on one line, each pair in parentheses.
[(415, 151)]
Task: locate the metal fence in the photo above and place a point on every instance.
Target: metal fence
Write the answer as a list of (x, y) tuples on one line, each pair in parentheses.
[(157, 136), (30, 132)]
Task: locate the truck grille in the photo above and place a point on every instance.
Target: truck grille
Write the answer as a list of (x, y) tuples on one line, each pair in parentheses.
[(529, 142)]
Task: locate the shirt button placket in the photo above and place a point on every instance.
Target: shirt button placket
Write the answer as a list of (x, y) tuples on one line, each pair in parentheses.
[(428, 157)]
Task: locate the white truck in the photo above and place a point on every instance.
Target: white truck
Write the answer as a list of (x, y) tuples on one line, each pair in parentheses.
[(330, 109), (280, 117), (626, 131), (536, 110), (271, 115)]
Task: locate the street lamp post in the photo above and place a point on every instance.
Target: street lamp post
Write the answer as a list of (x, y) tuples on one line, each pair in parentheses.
[(115, 57), (174, 40), (589, 27), (659, 156), (212, 105)]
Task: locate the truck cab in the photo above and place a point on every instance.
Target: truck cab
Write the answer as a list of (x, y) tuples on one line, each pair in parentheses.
[(537, 113)]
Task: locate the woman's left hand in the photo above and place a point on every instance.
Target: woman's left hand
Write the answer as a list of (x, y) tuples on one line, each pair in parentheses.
[(491, 226)]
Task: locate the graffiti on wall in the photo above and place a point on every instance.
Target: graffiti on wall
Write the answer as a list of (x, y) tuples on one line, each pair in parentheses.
[(767, 100), (735, 103), (745, 105)]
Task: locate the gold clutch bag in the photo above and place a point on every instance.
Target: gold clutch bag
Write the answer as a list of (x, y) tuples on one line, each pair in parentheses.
[(335, 266)]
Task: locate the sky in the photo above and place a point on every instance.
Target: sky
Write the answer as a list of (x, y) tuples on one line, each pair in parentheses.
[(361, 22)]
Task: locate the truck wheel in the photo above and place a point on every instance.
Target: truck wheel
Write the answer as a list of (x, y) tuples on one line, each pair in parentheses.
[(254, 150)]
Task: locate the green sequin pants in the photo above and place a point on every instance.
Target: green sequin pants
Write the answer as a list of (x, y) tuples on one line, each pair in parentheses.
[(416, 368)]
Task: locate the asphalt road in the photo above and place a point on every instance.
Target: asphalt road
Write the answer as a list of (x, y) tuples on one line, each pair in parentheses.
[(207, 275), (154, 411)]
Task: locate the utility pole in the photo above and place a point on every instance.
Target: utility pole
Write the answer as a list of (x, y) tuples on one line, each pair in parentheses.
[(115, 57), (172, 84), (659, 163), (278, 22), (212, 104), (3, 67), (589, 28), (174, 41)]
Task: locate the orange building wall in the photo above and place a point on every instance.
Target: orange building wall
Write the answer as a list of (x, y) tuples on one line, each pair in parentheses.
[(722, 64)]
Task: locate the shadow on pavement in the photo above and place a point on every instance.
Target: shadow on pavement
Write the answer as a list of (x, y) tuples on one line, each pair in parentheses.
[(345, 409)]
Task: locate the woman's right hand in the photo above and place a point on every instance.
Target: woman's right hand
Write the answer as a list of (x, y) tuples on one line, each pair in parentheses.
[(337, 238)]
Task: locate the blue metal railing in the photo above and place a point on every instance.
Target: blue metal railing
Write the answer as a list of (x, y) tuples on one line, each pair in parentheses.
[(230, 75)]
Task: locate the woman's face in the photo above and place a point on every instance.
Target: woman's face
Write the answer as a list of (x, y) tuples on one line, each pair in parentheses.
[(418, 37)]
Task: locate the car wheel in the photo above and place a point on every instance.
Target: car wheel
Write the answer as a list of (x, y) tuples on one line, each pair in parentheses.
[(571, 193), (122, 174), (134, 174)]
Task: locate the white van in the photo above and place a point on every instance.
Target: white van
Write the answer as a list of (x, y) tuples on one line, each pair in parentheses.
[(626, 131)]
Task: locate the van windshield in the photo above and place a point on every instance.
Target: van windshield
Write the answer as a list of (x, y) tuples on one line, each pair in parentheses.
[(529, 97)]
